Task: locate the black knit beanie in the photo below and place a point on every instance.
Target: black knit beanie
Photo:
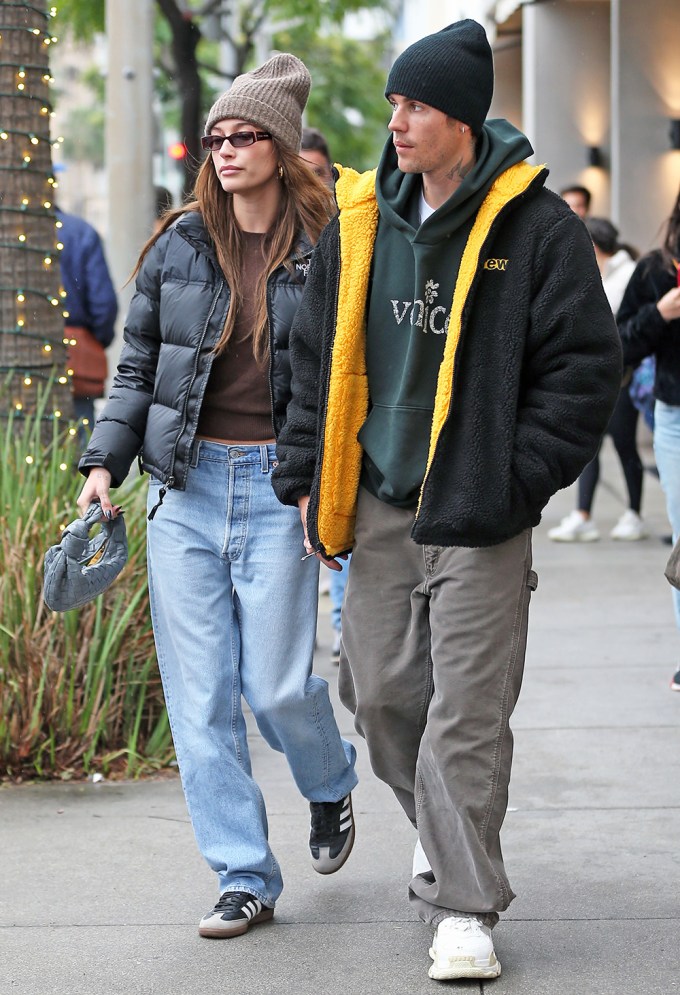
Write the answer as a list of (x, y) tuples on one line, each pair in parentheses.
[(451, 70)]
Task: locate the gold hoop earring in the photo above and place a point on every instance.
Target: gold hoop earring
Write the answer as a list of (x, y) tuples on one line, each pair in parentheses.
[(280, 171)]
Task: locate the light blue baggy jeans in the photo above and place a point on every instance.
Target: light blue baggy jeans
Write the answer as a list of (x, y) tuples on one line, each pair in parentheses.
[(667, 453), (337, 584), (234, 613)]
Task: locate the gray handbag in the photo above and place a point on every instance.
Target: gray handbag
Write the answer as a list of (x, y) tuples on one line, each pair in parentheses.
[(78, 569)]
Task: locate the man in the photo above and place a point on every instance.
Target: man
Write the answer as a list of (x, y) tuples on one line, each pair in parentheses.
[(578, 199), (164, 203), (314, 150), (455, 363)]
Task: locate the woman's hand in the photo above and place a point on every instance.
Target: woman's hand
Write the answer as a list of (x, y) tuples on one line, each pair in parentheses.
[(97, 487), (669, 305), (332, 564)]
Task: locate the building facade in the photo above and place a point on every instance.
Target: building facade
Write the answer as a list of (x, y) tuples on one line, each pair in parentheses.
[(595, 85)]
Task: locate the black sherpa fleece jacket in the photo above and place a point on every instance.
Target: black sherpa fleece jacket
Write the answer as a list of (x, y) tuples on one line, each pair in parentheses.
[(644, 332), (530, 374)]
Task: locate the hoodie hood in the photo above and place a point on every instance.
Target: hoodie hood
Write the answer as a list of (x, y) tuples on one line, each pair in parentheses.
[(499, 146), (415, 269)]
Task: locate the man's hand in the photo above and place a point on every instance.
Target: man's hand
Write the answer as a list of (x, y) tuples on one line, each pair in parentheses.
[(332, 563)]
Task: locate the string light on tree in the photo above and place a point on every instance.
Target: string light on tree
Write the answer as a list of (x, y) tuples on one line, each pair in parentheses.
[(32, 340)]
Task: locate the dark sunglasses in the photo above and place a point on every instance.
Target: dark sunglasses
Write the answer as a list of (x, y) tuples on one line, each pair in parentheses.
[(240, 140)]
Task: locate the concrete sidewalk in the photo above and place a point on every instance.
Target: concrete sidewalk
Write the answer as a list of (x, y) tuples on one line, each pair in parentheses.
[(101, 887)]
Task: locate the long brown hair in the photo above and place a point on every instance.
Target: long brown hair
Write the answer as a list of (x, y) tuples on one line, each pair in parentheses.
[(306, 205), (670, 250)]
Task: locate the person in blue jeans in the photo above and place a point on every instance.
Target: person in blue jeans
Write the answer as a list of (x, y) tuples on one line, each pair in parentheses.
[(337, 585), (649, 323), (314, 150), (200, 396)]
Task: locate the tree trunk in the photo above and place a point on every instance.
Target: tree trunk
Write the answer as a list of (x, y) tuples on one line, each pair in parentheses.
[(185, 38), (32, 350)]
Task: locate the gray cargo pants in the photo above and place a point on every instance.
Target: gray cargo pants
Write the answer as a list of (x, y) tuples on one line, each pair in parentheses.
[(434, 640)]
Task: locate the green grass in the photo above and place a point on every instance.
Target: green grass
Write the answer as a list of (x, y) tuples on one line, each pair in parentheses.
[(79, 691)]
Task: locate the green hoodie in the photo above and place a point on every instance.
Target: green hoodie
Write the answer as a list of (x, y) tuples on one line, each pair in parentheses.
[(414, 274)]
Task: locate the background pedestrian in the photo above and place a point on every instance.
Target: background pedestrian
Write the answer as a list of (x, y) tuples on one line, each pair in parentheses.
[(649, 323)]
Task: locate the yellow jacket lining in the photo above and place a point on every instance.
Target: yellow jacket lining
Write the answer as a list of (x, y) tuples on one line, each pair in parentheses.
[(347, 402)]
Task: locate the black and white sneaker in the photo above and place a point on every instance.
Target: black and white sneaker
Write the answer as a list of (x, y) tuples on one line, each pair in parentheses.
[(332, 836), (235, 912)]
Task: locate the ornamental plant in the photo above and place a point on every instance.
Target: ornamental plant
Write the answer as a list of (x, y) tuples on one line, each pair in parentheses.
[(80, 691)]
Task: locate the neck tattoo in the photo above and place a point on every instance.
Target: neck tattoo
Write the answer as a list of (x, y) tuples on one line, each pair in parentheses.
[(460, 170)]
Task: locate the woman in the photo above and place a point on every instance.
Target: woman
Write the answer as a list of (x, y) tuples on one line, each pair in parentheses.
[(616, 264), (200, 394), (649, 322)]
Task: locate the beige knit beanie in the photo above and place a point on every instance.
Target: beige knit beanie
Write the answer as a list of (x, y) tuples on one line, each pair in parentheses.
[(273, 97)]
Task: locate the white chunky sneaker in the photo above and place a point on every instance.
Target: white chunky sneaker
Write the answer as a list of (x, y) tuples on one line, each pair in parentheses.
[(462, 948), (574, 528), (629, 527)]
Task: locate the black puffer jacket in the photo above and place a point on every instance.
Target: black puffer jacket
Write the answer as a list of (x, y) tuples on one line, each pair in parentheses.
[(175, 318), (644, 332)]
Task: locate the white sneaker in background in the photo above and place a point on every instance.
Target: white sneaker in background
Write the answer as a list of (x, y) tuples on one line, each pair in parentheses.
[(462, 948), (575, 528), (629, 527), (421, 865)]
